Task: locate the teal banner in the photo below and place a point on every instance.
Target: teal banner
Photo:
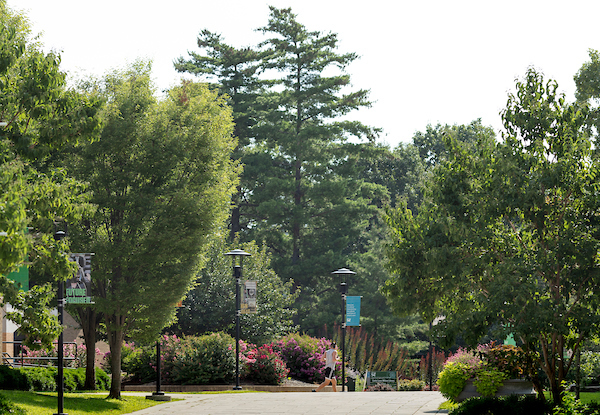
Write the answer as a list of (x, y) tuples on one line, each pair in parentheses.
[(353, 310)]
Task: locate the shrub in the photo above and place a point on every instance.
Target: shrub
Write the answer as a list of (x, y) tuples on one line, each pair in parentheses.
[(7, 407), (513, 404), (453, 378), (41, 379), (411, 385), (488, 381), (203, 360), (264, 365), (512, 360), (304, 356), (590, 367), (44, 379), (12, 378), (137, 362)]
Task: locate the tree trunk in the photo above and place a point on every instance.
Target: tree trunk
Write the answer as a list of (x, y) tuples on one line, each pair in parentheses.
[(115, 342), (88, 324)]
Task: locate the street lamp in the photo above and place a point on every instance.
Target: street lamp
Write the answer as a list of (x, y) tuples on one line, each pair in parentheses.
[(237, 274), (343, 272), (58, 236)]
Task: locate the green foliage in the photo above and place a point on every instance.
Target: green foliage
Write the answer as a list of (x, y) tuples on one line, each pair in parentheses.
[(506, 234), (207, 359), (411, 385), (43, 118), (45, 378), (453, 378), (210, 305), (513, 404), (8, 407), (590, 367), (488, 381)]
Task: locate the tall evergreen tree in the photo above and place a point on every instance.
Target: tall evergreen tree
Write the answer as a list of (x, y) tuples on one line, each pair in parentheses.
[(311, 207), (236, 74)]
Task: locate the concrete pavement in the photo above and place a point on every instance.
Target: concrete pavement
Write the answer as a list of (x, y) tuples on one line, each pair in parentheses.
[(295, 403)]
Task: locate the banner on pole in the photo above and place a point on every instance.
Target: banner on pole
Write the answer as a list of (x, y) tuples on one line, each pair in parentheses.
[(79, 288), (353, 310), (248, 305)]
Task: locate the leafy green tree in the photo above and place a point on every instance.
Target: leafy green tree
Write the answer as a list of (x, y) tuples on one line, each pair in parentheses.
[(162, 179), (41, 117), (210, 305), (588, 92), (431, 143), (236, 72), (507, 239)]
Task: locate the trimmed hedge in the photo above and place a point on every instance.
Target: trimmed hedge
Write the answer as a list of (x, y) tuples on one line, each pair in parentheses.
[(44, 379), (513, 404)]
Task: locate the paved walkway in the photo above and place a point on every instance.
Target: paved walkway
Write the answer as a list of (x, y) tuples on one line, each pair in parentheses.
[(295, 403)]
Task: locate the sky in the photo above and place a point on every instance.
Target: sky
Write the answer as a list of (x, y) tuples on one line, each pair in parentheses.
[(424, 62)]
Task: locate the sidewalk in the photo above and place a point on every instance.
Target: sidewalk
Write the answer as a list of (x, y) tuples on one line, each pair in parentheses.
[(294, 403)]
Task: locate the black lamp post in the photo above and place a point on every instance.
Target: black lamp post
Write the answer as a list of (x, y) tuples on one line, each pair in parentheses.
[(58, 236), (343, 272), (237, 274)]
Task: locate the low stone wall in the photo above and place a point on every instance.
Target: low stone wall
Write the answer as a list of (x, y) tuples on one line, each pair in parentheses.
[(219, 388)]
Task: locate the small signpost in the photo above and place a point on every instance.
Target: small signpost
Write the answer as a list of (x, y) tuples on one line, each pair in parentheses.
[(383, 377)]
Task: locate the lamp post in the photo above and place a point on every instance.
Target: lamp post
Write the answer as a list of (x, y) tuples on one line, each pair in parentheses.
[(237, 274), (343, 272), (58, 236)]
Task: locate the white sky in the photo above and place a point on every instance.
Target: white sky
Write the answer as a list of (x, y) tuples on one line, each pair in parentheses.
[(427, 61)]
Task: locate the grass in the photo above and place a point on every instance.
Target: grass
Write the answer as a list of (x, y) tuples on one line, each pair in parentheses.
[(585, 397), (45, 403)]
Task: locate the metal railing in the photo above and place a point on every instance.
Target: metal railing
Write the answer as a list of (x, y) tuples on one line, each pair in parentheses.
[(25, 361)]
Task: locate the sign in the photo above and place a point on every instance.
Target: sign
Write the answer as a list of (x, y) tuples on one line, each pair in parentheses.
[(248, 305), (78, 289), (384, 377), (20, 277), (353, 310)]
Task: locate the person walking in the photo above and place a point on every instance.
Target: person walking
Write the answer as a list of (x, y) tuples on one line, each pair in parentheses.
[(331, 356)]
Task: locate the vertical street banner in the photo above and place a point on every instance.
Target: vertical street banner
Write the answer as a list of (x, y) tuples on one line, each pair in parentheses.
[(353, 310), (79, 288), (248, 305)]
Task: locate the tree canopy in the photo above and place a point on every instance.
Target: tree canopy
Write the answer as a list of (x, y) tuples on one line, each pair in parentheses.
[(162, 179), (507, 238), (42, 116)]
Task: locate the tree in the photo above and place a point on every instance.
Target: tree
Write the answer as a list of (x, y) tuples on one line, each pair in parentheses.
[(236, 71), (310, 207), (507, 239), (588, 92), (210, 305), (42, 117), (162, 178)]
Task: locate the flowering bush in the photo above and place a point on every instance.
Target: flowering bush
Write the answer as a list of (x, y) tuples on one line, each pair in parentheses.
[(264, 365), (74, 355), (304, 356), (489, 366)]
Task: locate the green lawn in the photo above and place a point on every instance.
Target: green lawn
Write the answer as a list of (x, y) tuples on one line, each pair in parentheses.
[(77, 403)]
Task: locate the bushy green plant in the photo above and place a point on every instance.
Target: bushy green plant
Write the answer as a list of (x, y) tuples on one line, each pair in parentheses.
[(590, 367), (12, 379), (411, 385), (137, 362), (7, 407), (453, 378), (40, 378), (204, 360), (488, 381), (513, 405)]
